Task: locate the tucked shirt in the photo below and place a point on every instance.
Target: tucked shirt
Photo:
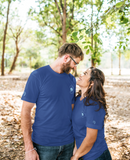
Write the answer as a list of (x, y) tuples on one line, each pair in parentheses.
[(88, 116), (53, 94)]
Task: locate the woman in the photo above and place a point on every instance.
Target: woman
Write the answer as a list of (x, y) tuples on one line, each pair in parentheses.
[(88, 117)]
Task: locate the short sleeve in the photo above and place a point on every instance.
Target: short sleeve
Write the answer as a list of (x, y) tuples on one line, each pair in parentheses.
[(32, 88), (94, 118)]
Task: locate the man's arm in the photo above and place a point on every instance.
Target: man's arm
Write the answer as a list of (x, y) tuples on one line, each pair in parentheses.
[(26, 129)]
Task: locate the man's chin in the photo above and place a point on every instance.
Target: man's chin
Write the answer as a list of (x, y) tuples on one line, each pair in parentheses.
[(69, 71)]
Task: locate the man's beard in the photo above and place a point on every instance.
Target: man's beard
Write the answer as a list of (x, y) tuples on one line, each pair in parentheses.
[(66, 68)]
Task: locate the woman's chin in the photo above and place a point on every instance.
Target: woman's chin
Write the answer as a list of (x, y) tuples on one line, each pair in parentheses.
[(78, 83)]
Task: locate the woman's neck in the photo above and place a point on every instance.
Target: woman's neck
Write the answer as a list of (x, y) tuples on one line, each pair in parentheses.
[(83, 90)]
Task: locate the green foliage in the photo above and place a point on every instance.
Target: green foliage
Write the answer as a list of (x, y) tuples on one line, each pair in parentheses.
[(87, 52), (127, 54), (87, 31), (37, 63), (120, 4), (41, 36), (74, 34), (49, 15), (123, 20)]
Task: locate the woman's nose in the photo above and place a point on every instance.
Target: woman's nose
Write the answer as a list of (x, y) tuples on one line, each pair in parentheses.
[(81, 74)]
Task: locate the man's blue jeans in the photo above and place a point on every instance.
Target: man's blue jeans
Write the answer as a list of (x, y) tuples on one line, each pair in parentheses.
[(55, 152), (105, 156)]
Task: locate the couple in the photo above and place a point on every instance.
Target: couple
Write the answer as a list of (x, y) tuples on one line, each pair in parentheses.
[(56, 126)]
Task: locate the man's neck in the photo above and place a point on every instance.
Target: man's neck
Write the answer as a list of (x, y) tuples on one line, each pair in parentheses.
[(57, 66)]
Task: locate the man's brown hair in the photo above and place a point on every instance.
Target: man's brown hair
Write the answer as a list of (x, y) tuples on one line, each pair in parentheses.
[(71, 48)]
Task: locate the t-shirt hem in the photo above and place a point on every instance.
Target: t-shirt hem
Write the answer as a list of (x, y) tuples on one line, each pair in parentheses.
[(52, 144), (93, 126), (95, 156), (31, 101)]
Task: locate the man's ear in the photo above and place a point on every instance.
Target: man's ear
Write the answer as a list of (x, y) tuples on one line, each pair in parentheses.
[(66, 58)]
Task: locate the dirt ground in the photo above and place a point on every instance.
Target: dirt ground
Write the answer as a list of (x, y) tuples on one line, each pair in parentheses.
[(117, 127)]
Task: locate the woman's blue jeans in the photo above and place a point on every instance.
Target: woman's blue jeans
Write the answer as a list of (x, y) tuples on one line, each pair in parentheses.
[(55, 152), (105, 156)]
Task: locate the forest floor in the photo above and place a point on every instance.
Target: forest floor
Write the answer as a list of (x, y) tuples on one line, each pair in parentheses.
[(117, 126)]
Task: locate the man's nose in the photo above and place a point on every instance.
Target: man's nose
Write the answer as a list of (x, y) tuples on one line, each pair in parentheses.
[(75, 67)]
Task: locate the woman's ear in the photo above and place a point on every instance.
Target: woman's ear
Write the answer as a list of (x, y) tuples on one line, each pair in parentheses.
[(92, 83)]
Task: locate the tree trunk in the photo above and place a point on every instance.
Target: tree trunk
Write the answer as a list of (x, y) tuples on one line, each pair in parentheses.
[(16, 56), (64, 23), (119, 62), (4, 39), (92, 60)]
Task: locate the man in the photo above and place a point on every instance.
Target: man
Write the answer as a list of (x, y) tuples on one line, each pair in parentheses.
[(52, 89)]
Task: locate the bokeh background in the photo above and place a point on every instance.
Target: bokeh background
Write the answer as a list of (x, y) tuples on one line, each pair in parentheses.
[(32, 31)]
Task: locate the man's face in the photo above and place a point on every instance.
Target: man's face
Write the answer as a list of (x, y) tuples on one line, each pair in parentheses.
[(71, 64), (66, 67)]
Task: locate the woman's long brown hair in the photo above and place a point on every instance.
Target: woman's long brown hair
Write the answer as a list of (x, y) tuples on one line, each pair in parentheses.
[(96, 91)]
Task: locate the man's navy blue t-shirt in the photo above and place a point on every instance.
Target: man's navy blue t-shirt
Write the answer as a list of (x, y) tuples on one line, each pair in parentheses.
[(88, 116), (53, 94)]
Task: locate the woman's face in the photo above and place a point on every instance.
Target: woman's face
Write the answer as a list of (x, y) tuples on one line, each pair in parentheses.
[(83, 80)]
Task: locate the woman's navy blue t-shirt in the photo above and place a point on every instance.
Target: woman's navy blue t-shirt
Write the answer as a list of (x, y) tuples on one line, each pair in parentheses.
[(53, 94), (87, 116)]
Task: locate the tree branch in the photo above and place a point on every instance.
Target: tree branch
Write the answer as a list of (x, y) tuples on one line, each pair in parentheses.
[(12, 32), (72, 11), (113, 9), (61, 18), (72, 16), (53, 29), (61, 4), (72, 27)]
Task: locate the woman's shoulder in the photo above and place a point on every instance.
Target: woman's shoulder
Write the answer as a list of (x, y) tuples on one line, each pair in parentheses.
[(95, 104)]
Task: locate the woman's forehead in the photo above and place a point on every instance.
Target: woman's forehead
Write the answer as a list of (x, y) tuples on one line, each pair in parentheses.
[(88, 70)]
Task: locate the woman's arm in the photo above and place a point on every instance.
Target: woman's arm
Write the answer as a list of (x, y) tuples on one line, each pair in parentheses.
[(87, 144), (75, 149)]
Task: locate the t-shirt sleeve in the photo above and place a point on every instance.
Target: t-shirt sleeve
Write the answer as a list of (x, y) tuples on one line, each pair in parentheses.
[(74, 80), (32, 89), (94, 118)]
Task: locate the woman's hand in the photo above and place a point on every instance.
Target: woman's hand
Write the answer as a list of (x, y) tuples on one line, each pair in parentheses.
[(74, 150), (74, 158)]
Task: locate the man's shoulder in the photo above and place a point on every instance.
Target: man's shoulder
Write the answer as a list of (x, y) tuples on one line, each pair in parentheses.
[(40, 70)]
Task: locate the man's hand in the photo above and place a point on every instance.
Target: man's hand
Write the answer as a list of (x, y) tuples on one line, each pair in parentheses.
[(32, 155), (74, 158)]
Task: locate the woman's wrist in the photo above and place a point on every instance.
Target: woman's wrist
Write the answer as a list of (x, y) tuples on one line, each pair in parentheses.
[(76, 155)]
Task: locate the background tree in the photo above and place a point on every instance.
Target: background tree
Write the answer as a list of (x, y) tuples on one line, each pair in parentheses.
[(121, 44), (5, 33), (90, 34), (16, 35), (59, 16)]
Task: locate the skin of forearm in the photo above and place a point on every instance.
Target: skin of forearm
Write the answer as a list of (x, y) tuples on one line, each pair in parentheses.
[(26, 129), (85, 147)]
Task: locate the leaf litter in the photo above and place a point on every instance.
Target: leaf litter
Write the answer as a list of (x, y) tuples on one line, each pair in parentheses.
[(117, 126)]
